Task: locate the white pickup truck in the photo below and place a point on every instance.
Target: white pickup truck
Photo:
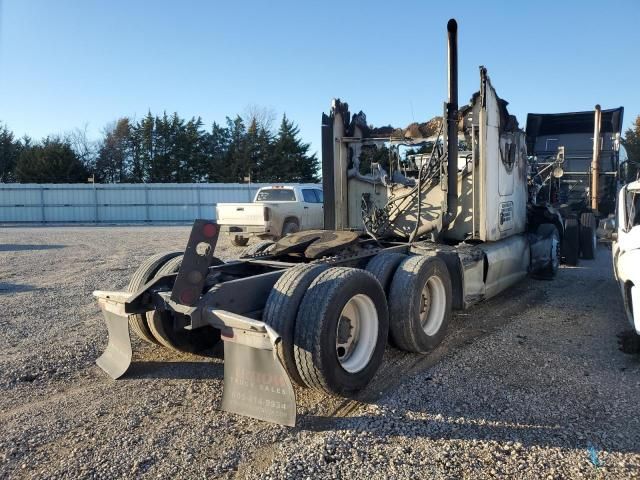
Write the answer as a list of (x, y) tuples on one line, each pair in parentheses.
[(276, 211), (626, 257)]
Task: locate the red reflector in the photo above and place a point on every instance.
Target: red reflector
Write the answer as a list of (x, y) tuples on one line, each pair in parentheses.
[(228, 333), (187, 297), (209, 230)]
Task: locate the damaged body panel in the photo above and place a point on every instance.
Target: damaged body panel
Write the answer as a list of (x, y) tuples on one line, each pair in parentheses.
[(388, 195)]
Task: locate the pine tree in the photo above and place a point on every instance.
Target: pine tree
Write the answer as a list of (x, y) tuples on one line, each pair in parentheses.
[(146, 138), (10, 149), (236, 160), (192, 151), (217, 153), (290, 161), (115, 163)]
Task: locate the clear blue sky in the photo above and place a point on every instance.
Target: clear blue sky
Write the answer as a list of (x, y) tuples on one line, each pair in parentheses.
[(64, 64)]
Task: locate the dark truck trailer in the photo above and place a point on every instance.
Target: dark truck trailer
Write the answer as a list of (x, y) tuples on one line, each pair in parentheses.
[(578, 175)]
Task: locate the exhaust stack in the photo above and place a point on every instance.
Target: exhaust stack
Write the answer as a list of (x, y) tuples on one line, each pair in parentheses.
[(452, 124), (595, 161)]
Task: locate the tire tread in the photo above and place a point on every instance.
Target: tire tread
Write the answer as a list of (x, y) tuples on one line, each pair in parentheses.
[(145, 272), (281, 309)]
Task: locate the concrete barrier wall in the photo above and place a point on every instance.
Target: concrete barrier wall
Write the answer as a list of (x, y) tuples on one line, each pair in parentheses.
[(118, 203)]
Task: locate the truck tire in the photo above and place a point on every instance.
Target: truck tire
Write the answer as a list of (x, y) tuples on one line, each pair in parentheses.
[(588, 239), (239, 240), (257, 248), (341, 330), (420, 303), (281, 309), (571, 241), (161, 322), (145, 272), (551, 270), (383, 266), (290, 227)]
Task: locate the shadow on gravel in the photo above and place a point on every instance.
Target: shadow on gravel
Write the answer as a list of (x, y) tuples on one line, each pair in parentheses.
[(7, 288), (19, 247), (451, 427), (174, 370)]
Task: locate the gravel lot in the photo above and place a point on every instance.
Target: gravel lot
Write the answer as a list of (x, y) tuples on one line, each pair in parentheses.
[(530, 384)]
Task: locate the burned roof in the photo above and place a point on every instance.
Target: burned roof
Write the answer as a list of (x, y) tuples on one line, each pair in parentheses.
[(426, 129)]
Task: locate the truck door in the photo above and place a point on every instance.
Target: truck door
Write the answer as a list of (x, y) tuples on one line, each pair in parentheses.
[(313, 216)]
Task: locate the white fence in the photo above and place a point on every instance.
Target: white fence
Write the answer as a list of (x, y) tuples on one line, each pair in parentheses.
[(117, 203)]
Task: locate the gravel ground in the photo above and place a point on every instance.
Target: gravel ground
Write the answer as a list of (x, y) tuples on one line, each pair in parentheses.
[(529, 385)]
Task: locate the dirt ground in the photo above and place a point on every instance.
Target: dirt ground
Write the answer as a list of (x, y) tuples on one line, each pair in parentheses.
[(529, 385)]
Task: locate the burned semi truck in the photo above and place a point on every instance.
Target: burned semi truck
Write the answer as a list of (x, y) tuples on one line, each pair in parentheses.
[(577, 159), (414, 227)]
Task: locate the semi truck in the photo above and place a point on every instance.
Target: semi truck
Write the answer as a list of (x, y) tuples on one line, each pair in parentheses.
[(406, 239), (579, 157)]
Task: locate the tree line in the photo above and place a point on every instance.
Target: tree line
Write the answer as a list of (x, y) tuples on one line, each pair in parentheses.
[(168, 148), (164, 148)]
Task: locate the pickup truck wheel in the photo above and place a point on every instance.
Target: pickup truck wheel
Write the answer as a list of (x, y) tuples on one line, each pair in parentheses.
[(341, 330), (588, 239), (420, 303), (256, 249), (239, 240), (290, 227), (145, 272), (383, 266), (571, 241), (281, 309), (161, 323)]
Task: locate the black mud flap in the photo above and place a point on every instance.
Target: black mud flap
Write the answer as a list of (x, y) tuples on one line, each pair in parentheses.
[(116, 359), (255, 382)]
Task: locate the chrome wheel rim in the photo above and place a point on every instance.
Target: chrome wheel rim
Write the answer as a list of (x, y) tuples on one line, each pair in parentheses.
[(356, 333), (433, 304)]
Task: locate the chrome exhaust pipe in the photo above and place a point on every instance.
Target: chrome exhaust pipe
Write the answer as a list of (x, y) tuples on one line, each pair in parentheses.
[(595, 161)]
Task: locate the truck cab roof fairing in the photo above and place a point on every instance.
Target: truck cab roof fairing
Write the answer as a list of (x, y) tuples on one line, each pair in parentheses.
[(571, 122)]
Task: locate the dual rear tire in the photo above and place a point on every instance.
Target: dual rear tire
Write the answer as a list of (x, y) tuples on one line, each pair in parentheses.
[(588, 238), (580, 238), (160, 327), (420, 300), (571, 241), (334, 322)]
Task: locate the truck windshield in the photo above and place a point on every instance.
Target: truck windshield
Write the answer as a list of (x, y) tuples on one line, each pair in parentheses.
[(276, 195)]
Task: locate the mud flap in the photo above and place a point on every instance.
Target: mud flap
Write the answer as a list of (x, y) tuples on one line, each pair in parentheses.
[(255, 382), (116, 359)]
